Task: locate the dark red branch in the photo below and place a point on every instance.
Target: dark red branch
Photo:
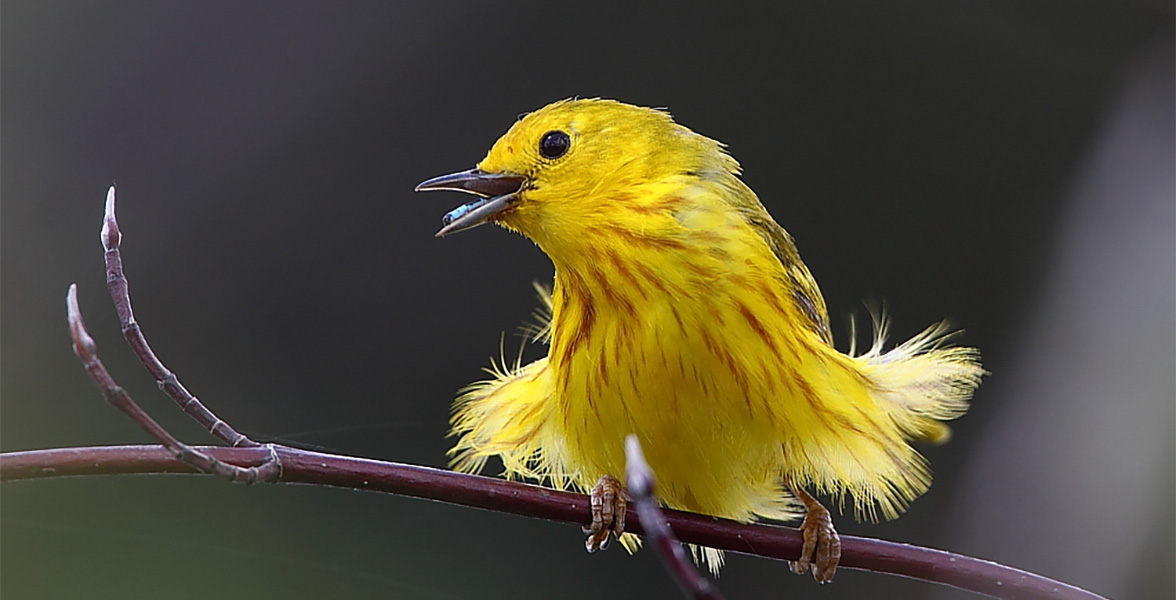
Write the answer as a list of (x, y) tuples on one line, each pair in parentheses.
[(116, 283), (640, 483), (783, 543), (86, 350)]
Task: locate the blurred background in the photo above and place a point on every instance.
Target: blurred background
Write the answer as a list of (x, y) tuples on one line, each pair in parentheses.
[(1007, 165)]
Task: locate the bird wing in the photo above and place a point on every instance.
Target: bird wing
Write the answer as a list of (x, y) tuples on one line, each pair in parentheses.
[(805, 292)]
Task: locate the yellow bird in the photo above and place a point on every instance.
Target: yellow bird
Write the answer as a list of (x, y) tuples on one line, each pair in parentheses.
[(681, 312)]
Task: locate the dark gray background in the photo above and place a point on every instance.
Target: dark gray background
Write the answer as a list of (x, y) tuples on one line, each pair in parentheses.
[(1007, 165)]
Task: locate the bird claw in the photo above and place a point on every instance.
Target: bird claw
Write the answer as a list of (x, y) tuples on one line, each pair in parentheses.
[(608, 513), (821, 551)]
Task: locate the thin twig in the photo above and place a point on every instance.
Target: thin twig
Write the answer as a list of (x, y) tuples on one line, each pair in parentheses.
[(640, 483), (116, 282), (86, 350), (512, 497)]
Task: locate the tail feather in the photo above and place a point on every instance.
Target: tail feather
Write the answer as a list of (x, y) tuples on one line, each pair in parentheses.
[(897, 395), (923, 382)]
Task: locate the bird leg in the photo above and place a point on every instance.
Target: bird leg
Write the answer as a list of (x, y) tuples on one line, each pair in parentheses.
[(822, 545), (608, 512)]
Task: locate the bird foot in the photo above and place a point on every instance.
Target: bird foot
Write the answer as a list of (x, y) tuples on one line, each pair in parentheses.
[(822, 546), (608, 513)]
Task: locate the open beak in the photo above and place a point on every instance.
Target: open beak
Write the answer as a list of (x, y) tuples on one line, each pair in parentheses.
[(496, 192)]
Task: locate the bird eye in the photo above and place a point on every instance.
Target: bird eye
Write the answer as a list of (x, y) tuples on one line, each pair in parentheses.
[(554, 144)]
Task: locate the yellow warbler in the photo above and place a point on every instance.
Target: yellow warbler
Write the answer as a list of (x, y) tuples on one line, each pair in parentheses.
[(682, 313)]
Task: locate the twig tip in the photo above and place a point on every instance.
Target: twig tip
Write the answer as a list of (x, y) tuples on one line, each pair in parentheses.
[(638, 475), (110, 233), (82, 342)]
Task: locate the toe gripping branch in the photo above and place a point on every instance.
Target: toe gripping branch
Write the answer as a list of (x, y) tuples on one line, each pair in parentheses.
[(609, 505), (822, 546)]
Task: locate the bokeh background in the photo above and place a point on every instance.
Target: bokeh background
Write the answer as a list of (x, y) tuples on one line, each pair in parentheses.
[(1007, 165)]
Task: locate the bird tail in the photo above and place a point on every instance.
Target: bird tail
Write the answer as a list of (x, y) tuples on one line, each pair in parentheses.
[(922, 382), (856, 443)]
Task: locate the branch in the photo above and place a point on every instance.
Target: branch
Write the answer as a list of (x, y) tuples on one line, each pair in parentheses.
[(512, 497), (639, 480), (86, 350), (250, 462), (116, 283)]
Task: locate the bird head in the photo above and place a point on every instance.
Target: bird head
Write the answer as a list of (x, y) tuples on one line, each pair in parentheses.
[(575, 166)]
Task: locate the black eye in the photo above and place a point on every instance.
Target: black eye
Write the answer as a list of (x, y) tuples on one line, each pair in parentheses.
[(554, 144)]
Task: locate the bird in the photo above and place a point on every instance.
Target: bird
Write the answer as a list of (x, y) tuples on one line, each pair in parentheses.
[(681, 312)]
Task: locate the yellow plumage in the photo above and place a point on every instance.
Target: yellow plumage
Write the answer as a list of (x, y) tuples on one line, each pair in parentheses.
[(682, 313)]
